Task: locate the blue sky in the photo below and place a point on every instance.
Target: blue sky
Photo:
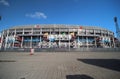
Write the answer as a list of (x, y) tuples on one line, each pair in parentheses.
[(82, 12)]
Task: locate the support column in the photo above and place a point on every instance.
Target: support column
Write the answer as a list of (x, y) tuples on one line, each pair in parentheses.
[(40, 43), (109, 40), (69, 37), (6, 40), (41, 37), (82, 41), (22, 42), (49, 39), (87, 41), (31, 42), (31, 39), (2, 39), (95, 41), (104, 38), (22, 39), (59, 38), (78, 42), (78, 38), (94, 38), (14, 37), (114, 43)]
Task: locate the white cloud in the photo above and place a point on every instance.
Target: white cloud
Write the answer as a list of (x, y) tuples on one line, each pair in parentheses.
[(37, 15), (4, 2)]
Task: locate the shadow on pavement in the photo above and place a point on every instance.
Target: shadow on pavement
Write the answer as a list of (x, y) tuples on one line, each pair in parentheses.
[(113, 64), (78, 77), (7, 61)]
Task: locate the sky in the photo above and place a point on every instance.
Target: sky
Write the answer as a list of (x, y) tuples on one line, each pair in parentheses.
[(75, 12)]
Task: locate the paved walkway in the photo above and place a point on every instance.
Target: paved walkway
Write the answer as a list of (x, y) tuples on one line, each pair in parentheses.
[(84, 65)]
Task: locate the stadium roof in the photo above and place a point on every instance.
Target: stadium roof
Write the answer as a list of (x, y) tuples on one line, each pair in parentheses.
[(57, 26)]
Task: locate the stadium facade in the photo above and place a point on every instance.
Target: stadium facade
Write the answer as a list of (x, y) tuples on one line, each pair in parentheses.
[(57, 36)]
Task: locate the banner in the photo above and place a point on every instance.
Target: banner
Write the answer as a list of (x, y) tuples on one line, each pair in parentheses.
[(51, 37), (10, 39), (45, 34), (105, 39), (59, 37), (37, 26)]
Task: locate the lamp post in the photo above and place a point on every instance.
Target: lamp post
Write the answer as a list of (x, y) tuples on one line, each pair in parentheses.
[(0, 17), (0, 37), (117, 30)]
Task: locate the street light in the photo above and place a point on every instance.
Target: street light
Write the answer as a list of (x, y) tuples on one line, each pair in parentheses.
[(115, 19), (0, 37), (0, 17)]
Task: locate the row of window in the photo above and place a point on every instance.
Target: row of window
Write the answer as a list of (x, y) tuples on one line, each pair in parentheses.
[(38, 32), (61, 29), (28, 33)]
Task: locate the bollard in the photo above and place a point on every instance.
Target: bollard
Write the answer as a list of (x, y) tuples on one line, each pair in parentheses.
[(31, 51)]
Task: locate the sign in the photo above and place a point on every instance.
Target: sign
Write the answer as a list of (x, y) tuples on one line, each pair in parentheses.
[(37, 26), (57, 37)]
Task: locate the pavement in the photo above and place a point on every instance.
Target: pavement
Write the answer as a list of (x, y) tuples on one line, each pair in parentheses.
[(60, 65)]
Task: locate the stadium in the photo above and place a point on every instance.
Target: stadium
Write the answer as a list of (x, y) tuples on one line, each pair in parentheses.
[(45, 36)]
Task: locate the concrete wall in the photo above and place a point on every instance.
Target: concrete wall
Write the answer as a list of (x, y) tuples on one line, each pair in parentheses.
[(62, 50)]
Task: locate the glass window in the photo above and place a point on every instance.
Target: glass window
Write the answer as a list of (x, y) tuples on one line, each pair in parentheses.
[(19, 32)]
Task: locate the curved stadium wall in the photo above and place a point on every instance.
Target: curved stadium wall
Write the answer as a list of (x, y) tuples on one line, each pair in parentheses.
[(57, 36)]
